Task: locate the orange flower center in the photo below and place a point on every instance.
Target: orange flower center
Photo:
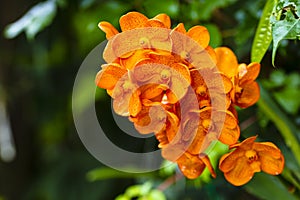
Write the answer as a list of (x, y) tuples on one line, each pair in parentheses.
[(184, 55), (127, 86), (253, 160), (206, 123), (204, 103), (251, 155), (144, 41), (201, 90), (165, 75), (238, 89)]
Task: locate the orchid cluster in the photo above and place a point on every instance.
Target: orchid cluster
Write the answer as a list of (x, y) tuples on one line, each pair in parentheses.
[(170, 82)]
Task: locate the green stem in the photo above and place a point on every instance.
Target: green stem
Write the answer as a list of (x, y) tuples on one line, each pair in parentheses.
[(281, 121)]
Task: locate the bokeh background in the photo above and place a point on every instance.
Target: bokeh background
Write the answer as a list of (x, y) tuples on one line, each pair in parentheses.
[(42, 156)]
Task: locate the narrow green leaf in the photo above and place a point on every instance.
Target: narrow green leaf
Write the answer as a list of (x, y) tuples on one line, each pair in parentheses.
[(263, 35), (104, 173), (268, 187), (291, 177)]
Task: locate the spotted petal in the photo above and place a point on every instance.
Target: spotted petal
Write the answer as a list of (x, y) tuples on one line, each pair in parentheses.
[(271, 164), (226, 61), (241, 173), (250, 74), (108, 28), (165, 19), (132, 20), (249, 96), (110, 74), (190, 165), (200, 34), (151, 119), (271, 158)]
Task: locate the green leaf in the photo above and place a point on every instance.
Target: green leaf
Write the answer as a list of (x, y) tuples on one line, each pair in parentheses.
[(142, 192), (104, 173), (34, 21), (268, 187), (289, 27), (263, 35), (137, 190)]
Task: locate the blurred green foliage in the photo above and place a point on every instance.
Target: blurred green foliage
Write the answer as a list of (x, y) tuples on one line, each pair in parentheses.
[(37, 75), (285, 89)]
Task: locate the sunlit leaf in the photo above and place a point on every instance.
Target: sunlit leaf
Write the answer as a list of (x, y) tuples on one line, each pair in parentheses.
[(122, 197), (156, 195), (289, 26), (142, 192), (137, 190), (263, 35), (34, 21)]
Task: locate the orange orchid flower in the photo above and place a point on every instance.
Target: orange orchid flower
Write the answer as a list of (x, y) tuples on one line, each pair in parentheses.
[(227, 62), (192, 166), (246, 89), (249, 157), (109, 75), (159, 70), (205, 125), (124, 45), (134, 20), (170, 82), (150, 119), (167, 135), (192, 45), (211, 87)]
